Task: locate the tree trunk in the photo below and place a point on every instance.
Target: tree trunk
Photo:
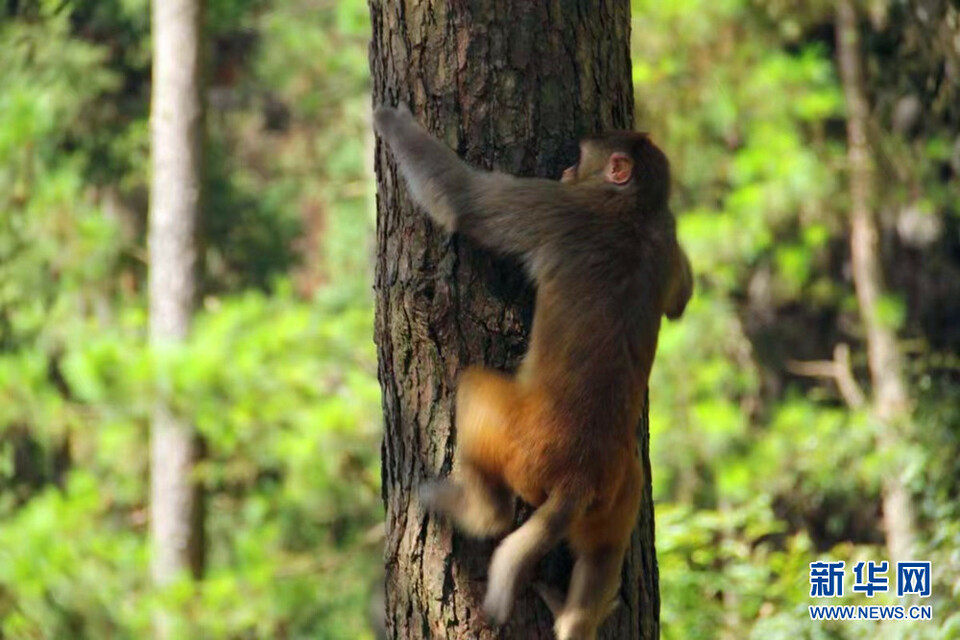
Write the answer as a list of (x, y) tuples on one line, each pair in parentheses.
[(176, 117), (509, 85), (890, 404)]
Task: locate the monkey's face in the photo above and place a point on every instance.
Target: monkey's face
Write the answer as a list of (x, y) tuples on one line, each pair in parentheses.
[(589, 164), (599, 164)]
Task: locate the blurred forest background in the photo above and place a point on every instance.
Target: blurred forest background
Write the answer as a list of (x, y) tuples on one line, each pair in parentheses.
[(763, 458)]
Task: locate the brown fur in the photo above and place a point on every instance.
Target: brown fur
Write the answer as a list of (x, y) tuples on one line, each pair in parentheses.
[(561, 434)]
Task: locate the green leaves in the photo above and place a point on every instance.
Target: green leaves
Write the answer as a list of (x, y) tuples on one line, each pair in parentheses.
[(283, 388), (745, 98)]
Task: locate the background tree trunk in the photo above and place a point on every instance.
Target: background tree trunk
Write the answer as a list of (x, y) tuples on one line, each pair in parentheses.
[(511, 86), (176, 114), (890, 403)]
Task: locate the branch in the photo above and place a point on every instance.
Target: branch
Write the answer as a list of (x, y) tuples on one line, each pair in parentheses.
[(838, 370)]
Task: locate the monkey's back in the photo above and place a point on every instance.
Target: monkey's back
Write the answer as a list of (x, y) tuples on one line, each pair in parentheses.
[(583, 380), (600, 301)]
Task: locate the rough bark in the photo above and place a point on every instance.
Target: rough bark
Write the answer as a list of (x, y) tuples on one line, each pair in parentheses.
[(509, 85), (176, 118), (890, 404)]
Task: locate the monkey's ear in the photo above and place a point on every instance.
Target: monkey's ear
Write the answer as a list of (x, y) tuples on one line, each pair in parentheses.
[(619, 168)]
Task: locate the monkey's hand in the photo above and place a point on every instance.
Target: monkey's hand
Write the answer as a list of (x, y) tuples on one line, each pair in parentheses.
[(407, 139), (680, 288), (433, 172), (388, 120)]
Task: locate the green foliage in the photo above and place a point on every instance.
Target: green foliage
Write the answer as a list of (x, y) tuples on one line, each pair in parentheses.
[(282, 385), (757, 472)]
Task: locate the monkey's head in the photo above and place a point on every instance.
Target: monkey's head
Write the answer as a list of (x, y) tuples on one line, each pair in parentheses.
[(626, 160)]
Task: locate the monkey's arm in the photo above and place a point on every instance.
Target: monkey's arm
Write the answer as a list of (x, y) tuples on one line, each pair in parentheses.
[(509, 214), (680, 288)]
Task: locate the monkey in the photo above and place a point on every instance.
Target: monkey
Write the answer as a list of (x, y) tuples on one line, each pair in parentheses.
[(600, 246)]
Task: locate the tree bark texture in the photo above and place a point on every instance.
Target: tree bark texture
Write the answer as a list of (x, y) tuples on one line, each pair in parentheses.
[(510, 86), (890, 402), (176, 119)]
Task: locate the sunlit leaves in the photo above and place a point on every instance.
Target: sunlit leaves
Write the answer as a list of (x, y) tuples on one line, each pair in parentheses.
[(283, 389)]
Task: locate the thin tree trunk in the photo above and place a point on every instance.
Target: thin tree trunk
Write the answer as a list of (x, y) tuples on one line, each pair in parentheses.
[(176, 144), (509, 85), (890, 403)]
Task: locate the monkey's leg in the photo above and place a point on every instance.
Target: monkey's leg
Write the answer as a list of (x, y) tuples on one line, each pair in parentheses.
[(515, 558), (599, 544), (478, 505), (477, 499), (592, 595)]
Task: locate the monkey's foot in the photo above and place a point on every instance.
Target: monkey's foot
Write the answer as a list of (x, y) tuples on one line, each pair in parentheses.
[(575, 625), (502, 584), (440, 496), (476, 507)]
